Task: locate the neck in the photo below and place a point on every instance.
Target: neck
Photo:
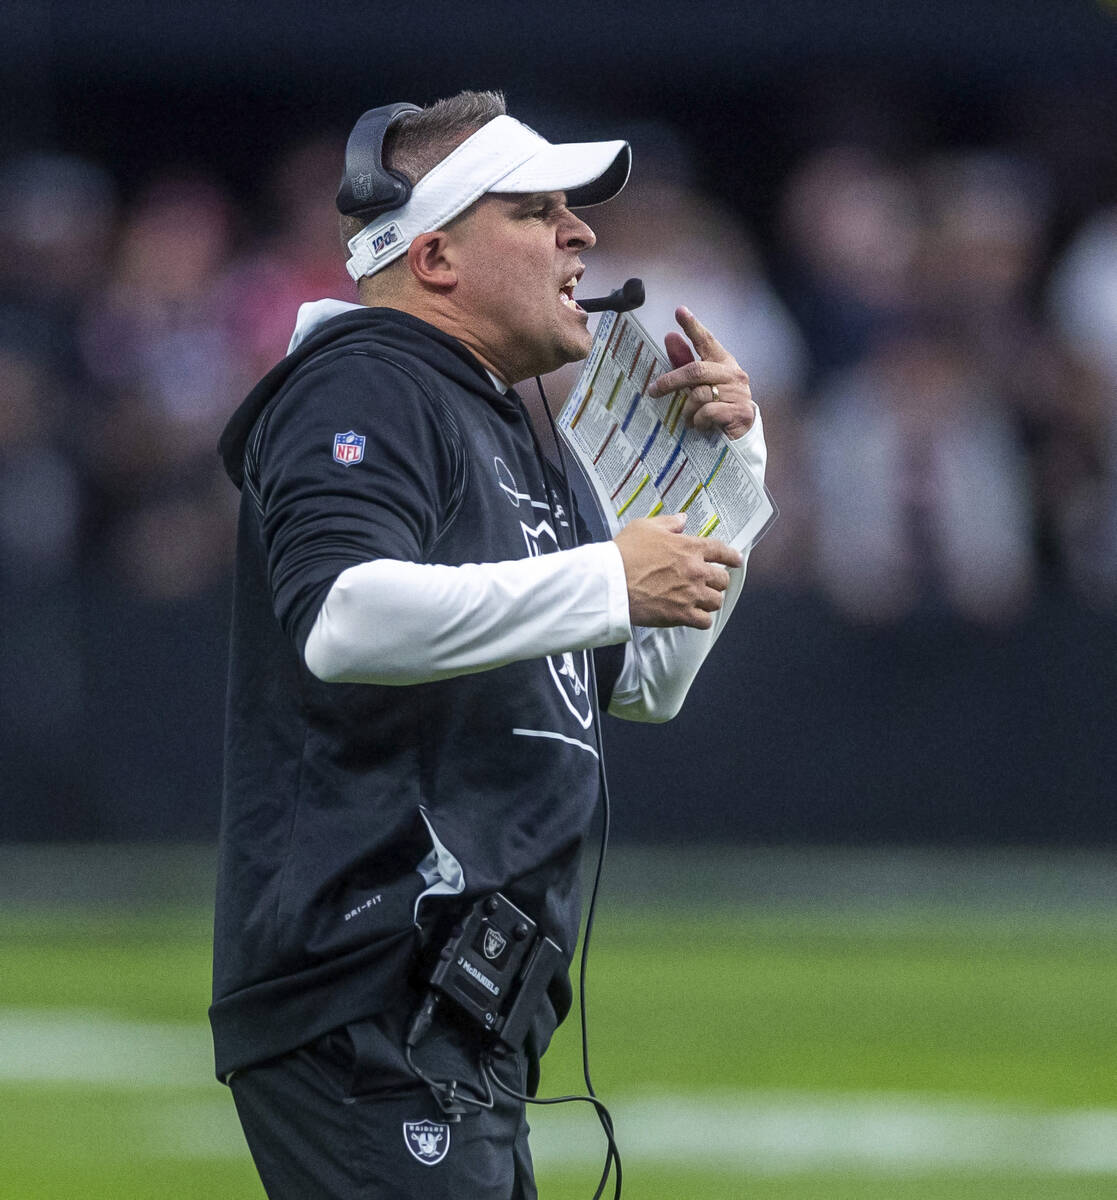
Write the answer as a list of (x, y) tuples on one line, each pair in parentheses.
[(438, 310)]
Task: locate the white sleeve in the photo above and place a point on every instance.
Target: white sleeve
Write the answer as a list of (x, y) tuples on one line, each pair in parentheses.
[(661, 664), (396, 622)]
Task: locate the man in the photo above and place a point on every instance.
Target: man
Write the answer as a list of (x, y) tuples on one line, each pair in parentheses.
[(411, 725)]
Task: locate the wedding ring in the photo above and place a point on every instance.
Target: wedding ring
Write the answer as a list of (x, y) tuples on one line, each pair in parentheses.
[(714, 392)]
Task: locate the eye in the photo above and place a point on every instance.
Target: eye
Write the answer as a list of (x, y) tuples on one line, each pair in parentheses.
[(543, 210)]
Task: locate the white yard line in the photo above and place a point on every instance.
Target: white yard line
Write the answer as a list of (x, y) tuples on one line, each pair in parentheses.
[(777, 1132), (72, 1046), (745, 1131)]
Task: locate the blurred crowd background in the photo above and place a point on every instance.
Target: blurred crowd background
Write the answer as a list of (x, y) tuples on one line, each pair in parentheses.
[(917, 267)]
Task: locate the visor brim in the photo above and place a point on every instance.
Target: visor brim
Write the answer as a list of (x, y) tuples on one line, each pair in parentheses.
[(588, 172)]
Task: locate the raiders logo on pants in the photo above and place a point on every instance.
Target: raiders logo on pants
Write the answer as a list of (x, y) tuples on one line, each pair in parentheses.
[(344, 1118)]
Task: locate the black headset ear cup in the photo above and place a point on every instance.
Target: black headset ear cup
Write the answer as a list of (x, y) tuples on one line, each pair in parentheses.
[(368, 188)]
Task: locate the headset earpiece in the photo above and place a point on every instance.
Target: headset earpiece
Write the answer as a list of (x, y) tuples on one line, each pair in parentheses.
[(368, 188)]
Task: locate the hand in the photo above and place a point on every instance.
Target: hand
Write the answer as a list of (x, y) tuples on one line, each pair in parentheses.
[(673, 579), (730, 409)]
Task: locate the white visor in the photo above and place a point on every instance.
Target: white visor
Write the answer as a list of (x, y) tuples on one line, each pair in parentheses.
[(502, 156)]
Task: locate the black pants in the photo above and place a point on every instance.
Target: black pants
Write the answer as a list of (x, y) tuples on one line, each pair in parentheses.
[(344, 1118)]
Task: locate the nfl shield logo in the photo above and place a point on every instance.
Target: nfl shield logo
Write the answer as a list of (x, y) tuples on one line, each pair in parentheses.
[(349, 448), (428, 1141), (362, 186)]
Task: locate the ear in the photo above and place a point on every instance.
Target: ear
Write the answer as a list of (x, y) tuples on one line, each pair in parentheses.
[(429, 261)]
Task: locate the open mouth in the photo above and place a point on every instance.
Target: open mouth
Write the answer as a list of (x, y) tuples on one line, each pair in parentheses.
[(566, 294)]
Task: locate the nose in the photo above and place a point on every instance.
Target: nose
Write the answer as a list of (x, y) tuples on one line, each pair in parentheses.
[(575, 234)]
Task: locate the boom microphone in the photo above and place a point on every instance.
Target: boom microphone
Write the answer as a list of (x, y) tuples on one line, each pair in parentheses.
[(624, 299)]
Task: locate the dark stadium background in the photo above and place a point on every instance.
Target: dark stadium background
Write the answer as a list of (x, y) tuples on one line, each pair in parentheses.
[(808, 725)]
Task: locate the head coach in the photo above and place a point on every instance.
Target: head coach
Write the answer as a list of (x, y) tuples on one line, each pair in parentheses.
[(411, 722)]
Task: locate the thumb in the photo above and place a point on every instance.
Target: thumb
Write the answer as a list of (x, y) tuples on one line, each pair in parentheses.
[(676, 522), (677, 350)]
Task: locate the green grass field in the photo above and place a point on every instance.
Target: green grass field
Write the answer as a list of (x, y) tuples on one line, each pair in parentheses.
[(823, 1042)]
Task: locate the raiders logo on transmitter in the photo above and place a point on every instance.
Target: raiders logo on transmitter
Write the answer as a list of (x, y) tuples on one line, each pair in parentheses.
[(428, 1141), (494, 943)]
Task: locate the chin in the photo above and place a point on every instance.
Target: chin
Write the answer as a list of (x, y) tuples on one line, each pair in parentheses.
[(565, 346), (577, 348)]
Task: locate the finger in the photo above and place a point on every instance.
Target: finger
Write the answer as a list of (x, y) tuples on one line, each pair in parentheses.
[(725, 416), (690, 375), (705, 343), (680, 355), (714, 551), (698, 398), (718, 578)]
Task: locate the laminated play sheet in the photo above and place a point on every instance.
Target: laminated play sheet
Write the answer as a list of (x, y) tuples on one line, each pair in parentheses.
[(638, 454)]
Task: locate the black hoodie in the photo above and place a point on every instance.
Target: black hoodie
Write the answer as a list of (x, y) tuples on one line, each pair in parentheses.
[(382, 437)]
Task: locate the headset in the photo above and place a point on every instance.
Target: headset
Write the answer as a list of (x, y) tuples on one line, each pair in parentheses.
[(369, 189)]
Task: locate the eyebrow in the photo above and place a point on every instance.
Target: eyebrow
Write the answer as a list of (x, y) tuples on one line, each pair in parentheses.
[(536, 199)]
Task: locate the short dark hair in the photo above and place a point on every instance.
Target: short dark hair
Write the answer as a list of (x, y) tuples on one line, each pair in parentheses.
[(418, 142)]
